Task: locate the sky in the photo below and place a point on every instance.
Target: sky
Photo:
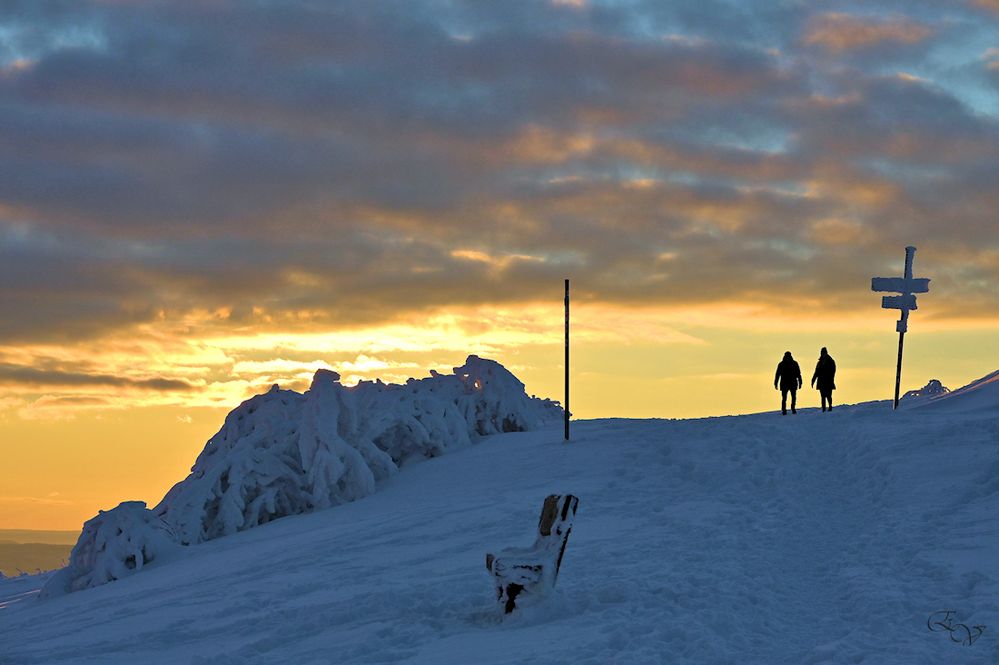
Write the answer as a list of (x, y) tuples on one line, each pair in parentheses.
[(201, 199)]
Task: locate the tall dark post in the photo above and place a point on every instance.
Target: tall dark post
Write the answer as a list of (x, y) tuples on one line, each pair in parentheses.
[(903, 323), (907, 286), (898, 367), (566, 359)]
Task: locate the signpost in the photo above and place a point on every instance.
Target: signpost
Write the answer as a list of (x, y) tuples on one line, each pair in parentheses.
[(567, 359), (907, 286)]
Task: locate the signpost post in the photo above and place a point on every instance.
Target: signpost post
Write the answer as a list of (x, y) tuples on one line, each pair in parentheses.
[(907, 286), (567, 359)]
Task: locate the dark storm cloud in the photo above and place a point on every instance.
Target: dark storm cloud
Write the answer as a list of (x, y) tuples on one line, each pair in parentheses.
[(26, 376), (281, 163)]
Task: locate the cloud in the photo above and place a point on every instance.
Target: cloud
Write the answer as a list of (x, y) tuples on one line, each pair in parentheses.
[(29, 376), (845, 32), (44, 501), (184, 172)]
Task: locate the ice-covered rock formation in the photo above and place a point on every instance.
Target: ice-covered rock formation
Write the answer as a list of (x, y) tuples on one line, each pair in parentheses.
[(982, 394), (284, 453), (115, 544), (934, 388)]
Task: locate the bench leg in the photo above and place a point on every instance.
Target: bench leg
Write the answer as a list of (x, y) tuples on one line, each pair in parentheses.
[(511, 592)]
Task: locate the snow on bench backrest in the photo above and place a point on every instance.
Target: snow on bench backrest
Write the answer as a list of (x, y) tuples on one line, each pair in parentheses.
[(557, 516), (515, 570)]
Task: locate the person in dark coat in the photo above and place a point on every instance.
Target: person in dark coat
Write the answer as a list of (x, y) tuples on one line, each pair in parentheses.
[(824, 378), (788, 377)]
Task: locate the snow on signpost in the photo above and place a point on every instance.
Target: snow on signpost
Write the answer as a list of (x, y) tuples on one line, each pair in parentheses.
[(907, 286)]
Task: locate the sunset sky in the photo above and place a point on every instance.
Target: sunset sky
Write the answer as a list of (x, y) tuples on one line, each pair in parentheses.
[(200, 199)]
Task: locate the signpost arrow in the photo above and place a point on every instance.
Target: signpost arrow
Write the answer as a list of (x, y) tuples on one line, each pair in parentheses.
[(900, 284), (899, 302), (907, 286)]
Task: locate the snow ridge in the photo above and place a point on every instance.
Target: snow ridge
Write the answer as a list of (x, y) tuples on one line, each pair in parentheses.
[(286, 453)]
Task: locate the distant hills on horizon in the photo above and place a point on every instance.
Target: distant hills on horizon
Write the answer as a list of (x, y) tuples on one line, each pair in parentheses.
[(39, 536), (30, 550)]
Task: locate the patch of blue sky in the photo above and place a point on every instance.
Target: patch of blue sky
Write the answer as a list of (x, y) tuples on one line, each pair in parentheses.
[(905, 171), (80, 36), (637, 173), (28, 238), (565, 257), (956, 63), (791, 248), (457, 27), (691, 21), (767, 140), (10, 52), (20, 43), (968, 84), (745, 133), (782, 188)]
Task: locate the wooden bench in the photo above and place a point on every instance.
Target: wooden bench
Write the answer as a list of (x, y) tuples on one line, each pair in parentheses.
[(534, 569)]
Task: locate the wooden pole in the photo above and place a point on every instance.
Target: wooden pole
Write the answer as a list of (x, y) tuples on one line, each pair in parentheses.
[(903, 323), (567, 359), (898, 367)]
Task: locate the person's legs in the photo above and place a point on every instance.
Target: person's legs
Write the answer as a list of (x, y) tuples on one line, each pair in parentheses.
[(829, 397), (825, 398), (783, 401), (794, 400)]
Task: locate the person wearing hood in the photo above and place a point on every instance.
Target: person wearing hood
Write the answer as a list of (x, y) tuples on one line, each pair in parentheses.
[(788, 379), (824, 378)]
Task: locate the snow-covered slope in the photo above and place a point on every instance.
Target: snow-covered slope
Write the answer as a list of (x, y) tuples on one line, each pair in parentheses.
[(816, 538)]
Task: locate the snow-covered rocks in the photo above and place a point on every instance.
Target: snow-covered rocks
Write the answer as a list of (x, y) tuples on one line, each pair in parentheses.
[(932, 389), (285, 453), (980, 395), (115, 544)]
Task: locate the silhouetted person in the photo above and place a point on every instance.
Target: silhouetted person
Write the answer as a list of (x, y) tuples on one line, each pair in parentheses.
[(788, 376), (825, 377)]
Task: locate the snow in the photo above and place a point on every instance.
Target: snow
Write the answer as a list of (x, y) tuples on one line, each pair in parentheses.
[(761, 539)]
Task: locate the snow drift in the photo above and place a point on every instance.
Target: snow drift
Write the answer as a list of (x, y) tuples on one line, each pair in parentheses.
[(285, 453)]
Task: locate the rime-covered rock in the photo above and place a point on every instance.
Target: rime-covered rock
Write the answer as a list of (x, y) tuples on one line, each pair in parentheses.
[(115, 544), (284, 453), (932, 389)]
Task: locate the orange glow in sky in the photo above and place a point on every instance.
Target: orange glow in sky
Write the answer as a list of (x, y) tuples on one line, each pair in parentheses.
[(190, 213), (73, 449)]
